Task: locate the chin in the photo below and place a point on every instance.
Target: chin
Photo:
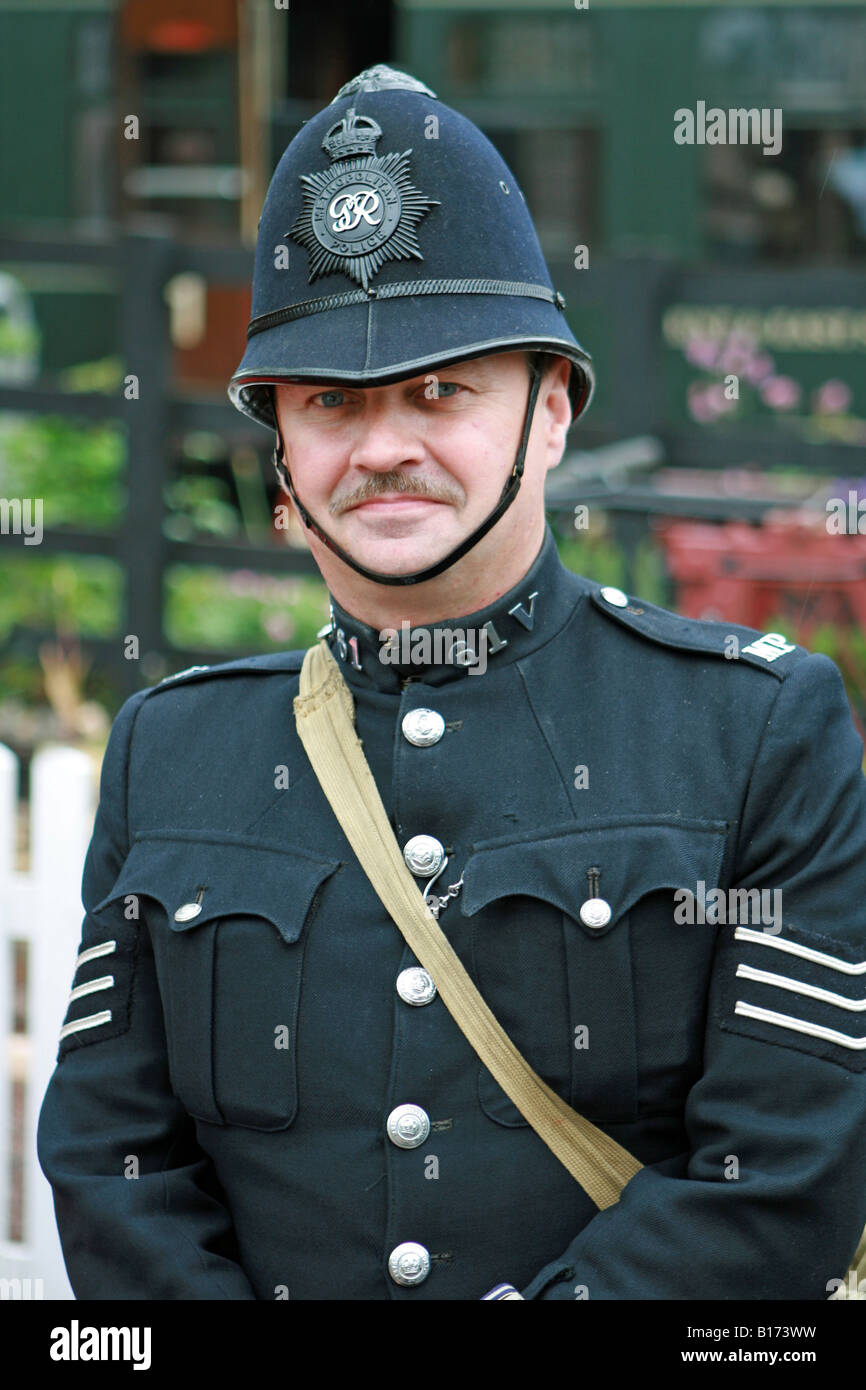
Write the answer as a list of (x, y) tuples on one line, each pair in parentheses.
[(400, 548), (397, 557)]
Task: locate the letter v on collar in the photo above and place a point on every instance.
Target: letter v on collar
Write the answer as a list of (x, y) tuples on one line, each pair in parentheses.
[(520, 613)]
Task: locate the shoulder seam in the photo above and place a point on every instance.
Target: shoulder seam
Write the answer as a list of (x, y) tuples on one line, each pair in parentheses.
[(245, 666)]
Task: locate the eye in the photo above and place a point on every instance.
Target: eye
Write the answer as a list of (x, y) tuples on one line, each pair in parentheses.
[(443, 389), (329, 398)]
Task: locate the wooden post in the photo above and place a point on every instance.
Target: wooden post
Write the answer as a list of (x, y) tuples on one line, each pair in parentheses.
[(255, 90)]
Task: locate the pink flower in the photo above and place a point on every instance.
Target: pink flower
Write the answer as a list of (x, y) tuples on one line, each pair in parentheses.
[(758, 368), (708, 402), (737, 353), (720, 401), (279, 627), (243, 582), (702, 352), (781, 392), (699, 407), (832, 397)]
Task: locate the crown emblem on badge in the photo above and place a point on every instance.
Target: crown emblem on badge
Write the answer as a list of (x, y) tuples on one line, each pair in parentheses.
[(363, 211), (352, 135)]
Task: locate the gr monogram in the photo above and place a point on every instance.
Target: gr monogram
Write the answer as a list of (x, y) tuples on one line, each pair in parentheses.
[(346, 209)]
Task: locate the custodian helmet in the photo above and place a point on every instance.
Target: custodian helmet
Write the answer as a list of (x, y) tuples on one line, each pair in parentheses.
[(394, 239)]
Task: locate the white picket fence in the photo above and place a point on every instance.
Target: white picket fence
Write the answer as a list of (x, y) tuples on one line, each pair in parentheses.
[(42, 908)]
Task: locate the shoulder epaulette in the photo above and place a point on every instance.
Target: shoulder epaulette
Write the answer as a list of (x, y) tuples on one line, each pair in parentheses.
[(266, 663), (766, 651)]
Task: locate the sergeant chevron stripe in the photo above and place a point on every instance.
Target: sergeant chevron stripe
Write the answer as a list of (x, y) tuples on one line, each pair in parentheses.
[(779, 943), (105, 948), (104, 982), (766, 977), (799, 1025), (91, 1021)]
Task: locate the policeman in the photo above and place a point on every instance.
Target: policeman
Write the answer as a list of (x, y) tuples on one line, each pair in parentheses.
[(644, 836)]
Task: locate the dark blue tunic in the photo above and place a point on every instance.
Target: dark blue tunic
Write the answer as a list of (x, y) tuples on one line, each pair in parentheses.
[(248, 1055)]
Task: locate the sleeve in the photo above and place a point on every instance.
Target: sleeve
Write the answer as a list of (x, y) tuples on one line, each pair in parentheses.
[(139, 1209), (770, 1200)]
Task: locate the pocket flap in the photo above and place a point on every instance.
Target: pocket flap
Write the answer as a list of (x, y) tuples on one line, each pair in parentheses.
[(225, 875), (635, 856)]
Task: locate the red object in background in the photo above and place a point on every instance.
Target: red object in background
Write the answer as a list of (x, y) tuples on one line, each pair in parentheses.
[(774, 574), (211, 363), (181, 36), (753, 575), (179, 26)]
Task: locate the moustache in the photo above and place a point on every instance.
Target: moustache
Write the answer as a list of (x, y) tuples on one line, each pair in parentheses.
[(397, 482)]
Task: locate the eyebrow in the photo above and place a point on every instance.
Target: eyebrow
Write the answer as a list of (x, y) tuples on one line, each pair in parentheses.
[(480, 369), (474, 368)]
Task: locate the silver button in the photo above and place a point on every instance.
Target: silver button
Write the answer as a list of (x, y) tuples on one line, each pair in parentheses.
[(424, 855), (187, 911), (409, 1263), (415, 985), (615, 596), (408, 1126), (423, 727), (595, 912)]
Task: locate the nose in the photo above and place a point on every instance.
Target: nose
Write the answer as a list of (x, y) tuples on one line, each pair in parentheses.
[(385, 437)]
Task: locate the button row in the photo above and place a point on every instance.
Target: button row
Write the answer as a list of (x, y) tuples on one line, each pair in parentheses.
[(408, 1125)]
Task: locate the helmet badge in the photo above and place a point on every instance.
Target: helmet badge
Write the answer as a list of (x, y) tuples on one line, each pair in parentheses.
[(363, 211)]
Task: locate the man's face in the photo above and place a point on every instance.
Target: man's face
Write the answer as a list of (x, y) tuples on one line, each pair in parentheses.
[(399, 475)]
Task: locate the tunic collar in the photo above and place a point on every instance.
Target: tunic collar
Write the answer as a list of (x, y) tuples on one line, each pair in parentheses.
[(462, 648)]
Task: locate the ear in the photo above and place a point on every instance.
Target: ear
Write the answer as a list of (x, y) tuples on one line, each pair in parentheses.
[(556, 408)]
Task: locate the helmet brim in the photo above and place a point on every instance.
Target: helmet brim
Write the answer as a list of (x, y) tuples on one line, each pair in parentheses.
[(376, 344)]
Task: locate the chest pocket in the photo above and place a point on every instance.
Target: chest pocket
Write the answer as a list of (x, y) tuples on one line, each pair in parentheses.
[(601, 1013), (228, 920)]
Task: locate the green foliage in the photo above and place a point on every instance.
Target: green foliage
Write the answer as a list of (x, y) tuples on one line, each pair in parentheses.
[(207, 607), (57, 593), (17, 339), (106, 375), (76, 469), (54, 595), (199, 504), (595, 554)]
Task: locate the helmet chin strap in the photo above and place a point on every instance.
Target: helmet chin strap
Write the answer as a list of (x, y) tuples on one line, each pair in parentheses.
[(509, 492)]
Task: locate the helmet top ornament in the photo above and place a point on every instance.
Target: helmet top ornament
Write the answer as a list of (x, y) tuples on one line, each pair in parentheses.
[(381, 78)]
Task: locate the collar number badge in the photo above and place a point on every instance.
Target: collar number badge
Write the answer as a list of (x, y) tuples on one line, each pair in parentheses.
[(363, 211)]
